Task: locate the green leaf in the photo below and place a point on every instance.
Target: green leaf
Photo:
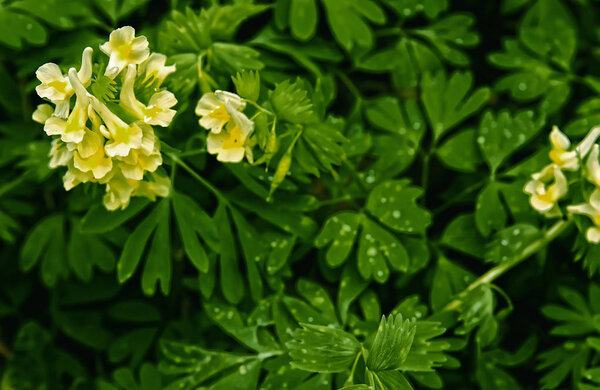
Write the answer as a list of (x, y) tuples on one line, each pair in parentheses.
[(158, 263), (392, 343), (99, 220), (290, 101), (247, 84), (254, 252), (323, 349), (195, 364), (303, 18), (351, 286), (510, 242), (462, 234), (449, 35), (377, 245), (426, 351), (490, 215), (340, 230), (17, 28), (538, 31), (394, 204), (347, 21), (405, 127), (449, 279), (137, 240), (235, 58), (448, 102), (192, 220), (460, 152), (232, 283), (501, 136)]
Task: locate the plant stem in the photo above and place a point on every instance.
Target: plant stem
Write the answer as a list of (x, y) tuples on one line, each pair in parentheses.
[(259, 107), (199, 178), (497, 271)]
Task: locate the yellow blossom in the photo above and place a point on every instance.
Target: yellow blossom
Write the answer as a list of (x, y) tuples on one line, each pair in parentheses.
[(160, 186), (124, 48), (544, 196), (42, 113), (119, 190), (216, 109), (74, 176), (230, 145), (122, 136), (57, 87), (592, 210), (90, 155), (157, 112), (60, 155), (561, 154), (154, 68), (73, 129)]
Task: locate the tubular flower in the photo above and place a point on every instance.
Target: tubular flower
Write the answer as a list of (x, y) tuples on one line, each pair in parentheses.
[(155, 70), (592, 210), (42, 113), (93, 141), (216, 109), (593, 166), (544, 197), (230, 145), (57, 87), (124, 48), (122, 136), (157, 112), (73, 129), (569, 159)]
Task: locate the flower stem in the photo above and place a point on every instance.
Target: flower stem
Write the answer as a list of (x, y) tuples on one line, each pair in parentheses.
[(199, 178), (497, 271), (259, 107)]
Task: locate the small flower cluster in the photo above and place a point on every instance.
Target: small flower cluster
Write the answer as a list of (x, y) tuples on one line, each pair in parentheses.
[(222, 114), (109, 140), (550, 185)]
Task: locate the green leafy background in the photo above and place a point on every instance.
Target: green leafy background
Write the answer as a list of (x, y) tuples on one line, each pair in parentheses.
[(368, 265)]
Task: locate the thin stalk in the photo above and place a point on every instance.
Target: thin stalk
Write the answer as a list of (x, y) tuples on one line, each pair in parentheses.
[(499, 270), (259, 107), (199, 178)]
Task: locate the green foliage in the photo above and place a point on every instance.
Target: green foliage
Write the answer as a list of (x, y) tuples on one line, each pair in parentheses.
[(378, 237)]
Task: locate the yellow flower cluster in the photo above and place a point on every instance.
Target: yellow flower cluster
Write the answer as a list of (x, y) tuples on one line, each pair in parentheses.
[(91, 139), (222, 114), (550, 185)]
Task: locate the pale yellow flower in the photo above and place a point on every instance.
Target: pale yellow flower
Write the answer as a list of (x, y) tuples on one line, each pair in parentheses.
[(593, 166), (145, 159), (73, 129), (59, 154), (544, 196), (561, 154), (74, 176), (91, 157), (57, 87), (124, 48), (42, 113), (230, 145), (160, 186), (119, 190), (122, 136), (154, 68), (216, 109), (157, 112), (592, 210)]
